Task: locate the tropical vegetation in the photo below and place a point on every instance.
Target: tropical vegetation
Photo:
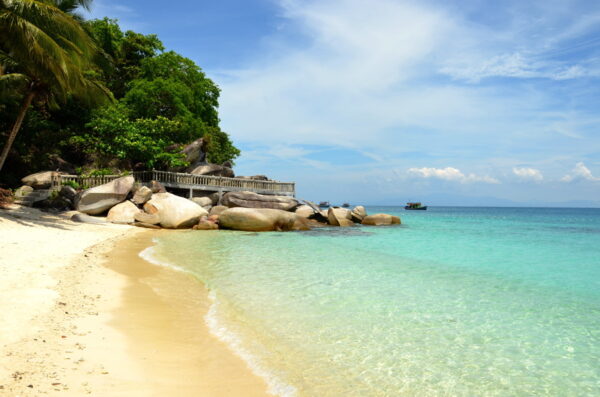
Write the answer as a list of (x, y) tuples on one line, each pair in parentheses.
[(79, 94)]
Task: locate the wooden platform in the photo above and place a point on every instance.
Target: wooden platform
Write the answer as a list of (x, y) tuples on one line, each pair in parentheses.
[(189, 182)]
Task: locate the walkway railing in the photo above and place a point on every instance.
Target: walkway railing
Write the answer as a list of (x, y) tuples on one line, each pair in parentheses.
[(179, 180)]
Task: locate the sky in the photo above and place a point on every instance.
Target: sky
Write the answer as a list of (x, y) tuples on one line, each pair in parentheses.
[(454, 102)]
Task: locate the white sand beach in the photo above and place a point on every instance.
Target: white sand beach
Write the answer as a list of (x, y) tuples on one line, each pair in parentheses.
[(81, 317)]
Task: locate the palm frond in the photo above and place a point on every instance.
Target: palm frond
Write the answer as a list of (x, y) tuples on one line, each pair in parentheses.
[(49, 45)]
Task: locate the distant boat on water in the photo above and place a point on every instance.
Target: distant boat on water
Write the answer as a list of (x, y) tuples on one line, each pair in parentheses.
[(345, 205), (415, 206), (324, 204)]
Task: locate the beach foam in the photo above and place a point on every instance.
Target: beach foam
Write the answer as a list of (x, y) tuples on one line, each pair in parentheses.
[(235, 343), (217, 329)]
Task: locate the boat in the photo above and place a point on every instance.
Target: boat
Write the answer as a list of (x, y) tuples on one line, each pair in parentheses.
[(324, 204), (345, 205), (415, 206)]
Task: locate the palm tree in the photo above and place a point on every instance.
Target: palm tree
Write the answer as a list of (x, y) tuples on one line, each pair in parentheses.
[(46, 53)]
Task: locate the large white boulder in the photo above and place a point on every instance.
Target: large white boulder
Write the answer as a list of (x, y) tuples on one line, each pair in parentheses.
[(123, 213), (257, 219), (174, 212), (40, 180), (339, 217), (98, 199), (255, 200), (305, 211), (202, 201), (381, 220), (142, 195), (358, 213)]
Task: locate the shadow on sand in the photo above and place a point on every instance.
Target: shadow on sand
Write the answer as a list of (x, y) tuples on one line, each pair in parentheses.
[(33, 217)]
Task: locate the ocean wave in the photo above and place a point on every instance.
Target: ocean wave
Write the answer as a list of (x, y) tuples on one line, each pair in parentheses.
[(149, 255), (275, 385)]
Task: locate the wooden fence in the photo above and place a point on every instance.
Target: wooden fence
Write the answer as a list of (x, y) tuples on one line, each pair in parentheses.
[(178, 180)]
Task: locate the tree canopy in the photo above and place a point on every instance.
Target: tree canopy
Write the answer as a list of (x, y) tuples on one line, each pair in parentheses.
[(154, 100), (45, 54)]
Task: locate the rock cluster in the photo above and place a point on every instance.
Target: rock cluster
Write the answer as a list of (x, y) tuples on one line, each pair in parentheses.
[(150, 205)]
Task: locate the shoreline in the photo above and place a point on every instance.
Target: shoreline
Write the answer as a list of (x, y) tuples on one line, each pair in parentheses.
[(91, 317)]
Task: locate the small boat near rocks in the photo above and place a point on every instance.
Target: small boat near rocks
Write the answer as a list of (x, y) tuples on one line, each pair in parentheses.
[(415, 206)]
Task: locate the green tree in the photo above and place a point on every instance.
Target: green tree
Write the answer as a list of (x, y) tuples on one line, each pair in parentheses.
[(47, 54), (220, 147), (124, 52), (113, 134)]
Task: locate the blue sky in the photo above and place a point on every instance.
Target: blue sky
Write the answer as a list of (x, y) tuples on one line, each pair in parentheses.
[(384, 101)]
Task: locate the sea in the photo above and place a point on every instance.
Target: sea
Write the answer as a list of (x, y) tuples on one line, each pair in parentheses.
[(456, 301)]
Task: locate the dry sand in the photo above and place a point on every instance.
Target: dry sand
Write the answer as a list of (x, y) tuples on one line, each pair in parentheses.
[(82, 314)]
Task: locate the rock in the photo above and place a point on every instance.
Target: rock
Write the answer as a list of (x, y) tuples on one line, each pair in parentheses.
[(196, 151), (317, 213), (301, 223), (146, 225), (156, 187), (83, 218), (206, 225), (68, 192), (358, 213), (40, 180), (59, 164), (217, 210), (214, 170), (213, 196), (255, 200), (144, 217), (142, 195), (380, 220), (202, 201), (213, 218), (174, 212), (58, 203), (123, 213), (255, 178), (23, 191), (339, 217), (98, 199), (257, 219), (305, 211)]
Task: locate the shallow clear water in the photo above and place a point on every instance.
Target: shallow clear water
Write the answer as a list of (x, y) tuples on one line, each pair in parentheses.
[(456, 301)]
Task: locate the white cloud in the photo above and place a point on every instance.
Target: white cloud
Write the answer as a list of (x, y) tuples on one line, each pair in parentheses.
[(580, 172), (367, 73), (366, 76), (528, 174), (450, 174)]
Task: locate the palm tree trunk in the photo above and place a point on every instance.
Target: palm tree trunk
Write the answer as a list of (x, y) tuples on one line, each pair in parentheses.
[(17, 126)]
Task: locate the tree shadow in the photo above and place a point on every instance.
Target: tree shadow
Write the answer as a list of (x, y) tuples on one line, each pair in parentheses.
[(33, 217)]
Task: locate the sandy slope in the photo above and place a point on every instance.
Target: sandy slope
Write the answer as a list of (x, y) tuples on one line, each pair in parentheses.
[(73, 325)]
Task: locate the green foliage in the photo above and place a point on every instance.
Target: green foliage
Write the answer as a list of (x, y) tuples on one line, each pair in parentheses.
[(200, 96), (50, 49), (161, 100), (220, 147), (141, 141), (73, 184), (125, 52)]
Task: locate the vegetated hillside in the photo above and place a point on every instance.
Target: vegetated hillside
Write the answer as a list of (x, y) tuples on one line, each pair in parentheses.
[(154, 102)]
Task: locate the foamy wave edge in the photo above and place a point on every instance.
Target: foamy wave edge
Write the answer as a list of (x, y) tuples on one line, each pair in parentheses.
[(274, 385)]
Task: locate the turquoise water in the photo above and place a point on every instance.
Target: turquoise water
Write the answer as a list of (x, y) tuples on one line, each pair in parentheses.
[(454, 302)]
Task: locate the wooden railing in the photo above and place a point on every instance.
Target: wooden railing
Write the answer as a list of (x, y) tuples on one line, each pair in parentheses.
[(188, 181)]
